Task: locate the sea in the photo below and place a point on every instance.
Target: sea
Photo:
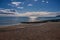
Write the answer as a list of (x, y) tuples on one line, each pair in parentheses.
[(4, 20)]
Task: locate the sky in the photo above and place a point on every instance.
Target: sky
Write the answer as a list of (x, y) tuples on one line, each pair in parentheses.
[(25, 6)]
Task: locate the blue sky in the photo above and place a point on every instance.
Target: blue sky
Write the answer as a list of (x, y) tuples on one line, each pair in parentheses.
[(31, 5)]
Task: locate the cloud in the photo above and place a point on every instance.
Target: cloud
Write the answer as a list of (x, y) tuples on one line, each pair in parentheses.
[(16, 3), (29, 5), (39, 14), (34, 15), (8, 12), (30, 14), (45, 1), (20, 7)]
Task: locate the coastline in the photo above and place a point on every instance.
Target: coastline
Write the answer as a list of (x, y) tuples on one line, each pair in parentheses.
[(47, 31), (23, 25)]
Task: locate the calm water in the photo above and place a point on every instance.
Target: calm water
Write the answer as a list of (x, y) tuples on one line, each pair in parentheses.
[(12, 20), (16, 20)]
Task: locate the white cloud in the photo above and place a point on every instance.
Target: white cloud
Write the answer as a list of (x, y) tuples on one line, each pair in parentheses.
[(8, 12), (45, 1), (16, 3), (34, 15), (29, 5), (39, 14), (31, 14), (20, 7)]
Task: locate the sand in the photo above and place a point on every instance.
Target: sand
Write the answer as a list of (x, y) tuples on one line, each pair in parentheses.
[(44, 31)]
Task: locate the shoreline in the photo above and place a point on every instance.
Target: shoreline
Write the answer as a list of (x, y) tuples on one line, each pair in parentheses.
[(47, 31), (10, 25), (28, 25)]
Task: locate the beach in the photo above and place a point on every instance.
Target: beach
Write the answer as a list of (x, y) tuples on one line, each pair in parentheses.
[(39, 31)]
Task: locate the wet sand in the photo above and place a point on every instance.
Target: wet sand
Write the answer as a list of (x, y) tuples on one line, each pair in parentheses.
[(44, 31)]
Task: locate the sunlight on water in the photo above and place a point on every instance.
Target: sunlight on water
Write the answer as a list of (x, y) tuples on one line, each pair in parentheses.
[(32, 18), (17, 20)]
